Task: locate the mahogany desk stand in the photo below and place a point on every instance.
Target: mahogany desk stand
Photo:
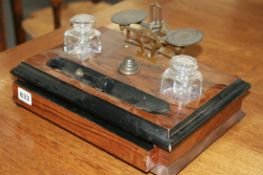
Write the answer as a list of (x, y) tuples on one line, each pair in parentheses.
[(152, 141)]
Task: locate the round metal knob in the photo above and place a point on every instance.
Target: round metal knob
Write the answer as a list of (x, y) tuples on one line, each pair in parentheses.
[(129, 66)]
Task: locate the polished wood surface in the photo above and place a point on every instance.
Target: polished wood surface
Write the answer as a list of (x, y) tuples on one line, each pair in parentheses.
[(167, 159), (233, 43), (186, 157), (107, 63), (155, 160), (88, 130)]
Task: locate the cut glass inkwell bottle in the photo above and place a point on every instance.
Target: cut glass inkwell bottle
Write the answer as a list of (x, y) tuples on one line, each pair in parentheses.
[(182, 80), (82, 40)]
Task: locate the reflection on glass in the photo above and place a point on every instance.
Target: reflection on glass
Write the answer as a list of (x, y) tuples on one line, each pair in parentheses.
[(182, 80), (82, 40)]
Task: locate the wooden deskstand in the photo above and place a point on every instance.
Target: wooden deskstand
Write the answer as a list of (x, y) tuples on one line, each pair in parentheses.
[(221, 100)]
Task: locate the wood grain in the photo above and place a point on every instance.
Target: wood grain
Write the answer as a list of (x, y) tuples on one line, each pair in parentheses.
[(145, 160), (233, 44), (90, 131), (178, 164), (155, 160), (107, 63), (171, 126), (167, 159)]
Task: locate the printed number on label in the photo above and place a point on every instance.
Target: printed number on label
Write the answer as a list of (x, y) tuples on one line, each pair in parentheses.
[(24, 96)]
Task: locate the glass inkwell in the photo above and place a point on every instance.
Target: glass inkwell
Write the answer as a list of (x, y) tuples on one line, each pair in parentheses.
[(82, 40), (182, 81)]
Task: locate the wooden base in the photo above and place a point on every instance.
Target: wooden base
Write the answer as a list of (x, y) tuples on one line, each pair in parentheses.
[(135, 101), (127, 120), (135, 152)]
